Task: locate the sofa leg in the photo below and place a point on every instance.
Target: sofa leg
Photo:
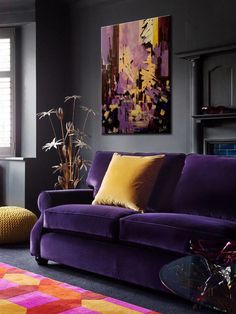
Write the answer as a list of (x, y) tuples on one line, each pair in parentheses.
[(41, 261)]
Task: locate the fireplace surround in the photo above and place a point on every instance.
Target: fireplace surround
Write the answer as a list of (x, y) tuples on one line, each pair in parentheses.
[(213, 99)]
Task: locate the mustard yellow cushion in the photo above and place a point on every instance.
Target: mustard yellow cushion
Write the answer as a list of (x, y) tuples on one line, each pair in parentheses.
[(128, 181), (15, 224)]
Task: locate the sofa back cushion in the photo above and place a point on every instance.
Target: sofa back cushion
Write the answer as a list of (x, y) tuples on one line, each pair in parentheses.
[(207, 187), (98, 169), (162, 195)]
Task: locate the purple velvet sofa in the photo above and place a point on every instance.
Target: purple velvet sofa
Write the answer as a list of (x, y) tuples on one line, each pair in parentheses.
[(194, 198)]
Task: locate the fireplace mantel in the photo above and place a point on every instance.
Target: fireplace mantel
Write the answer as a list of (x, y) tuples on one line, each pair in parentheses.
[(212, 84), (189, 55), (217, 117)]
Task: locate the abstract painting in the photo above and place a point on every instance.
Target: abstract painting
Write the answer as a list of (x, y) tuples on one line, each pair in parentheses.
[(136, 86)]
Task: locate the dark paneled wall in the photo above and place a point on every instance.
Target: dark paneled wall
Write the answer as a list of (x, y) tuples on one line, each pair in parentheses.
[(196, 24)]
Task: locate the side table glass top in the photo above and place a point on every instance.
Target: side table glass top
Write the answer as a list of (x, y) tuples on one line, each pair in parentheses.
[(208, 277)]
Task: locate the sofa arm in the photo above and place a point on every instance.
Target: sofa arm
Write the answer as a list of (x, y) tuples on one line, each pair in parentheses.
[(53, 198)]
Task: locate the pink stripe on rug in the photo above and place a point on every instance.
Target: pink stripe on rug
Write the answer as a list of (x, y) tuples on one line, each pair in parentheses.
[(80, 310)]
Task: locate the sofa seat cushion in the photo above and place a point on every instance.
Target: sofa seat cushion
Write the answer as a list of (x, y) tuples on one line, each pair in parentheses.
[(89, 219), (173, 231)]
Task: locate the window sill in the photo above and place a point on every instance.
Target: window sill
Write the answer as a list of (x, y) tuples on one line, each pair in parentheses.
[(12, 158)]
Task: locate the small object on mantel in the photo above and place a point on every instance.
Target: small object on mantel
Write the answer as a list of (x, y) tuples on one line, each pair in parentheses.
[(217, 110)]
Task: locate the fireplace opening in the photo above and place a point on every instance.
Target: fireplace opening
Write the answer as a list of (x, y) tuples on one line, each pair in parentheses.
[(220, 147)]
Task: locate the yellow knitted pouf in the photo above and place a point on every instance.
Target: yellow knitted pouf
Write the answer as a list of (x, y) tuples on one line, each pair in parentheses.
[(15, 224)]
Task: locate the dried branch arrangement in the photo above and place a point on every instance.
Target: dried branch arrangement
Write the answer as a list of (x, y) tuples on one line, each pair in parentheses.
[(69, 143)]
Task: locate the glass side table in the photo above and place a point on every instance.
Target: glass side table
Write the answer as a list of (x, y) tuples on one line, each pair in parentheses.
[(208, 277)]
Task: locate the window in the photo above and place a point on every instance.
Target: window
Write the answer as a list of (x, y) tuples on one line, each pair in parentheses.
[(7, 92)]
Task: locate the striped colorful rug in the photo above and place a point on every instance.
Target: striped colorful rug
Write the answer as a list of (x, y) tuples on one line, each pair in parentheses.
[(23, 292)]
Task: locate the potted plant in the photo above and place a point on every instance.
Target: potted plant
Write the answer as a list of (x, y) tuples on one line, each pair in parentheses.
[(69, 142)]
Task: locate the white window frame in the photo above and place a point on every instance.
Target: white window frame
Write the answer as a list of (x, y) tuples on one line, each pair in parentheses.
[(10, 33)]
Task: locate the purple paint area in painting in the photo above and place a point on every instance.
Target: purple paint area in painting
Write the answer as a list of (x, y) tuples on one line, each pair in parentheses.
[(106, 40), (161, 52), (124, 80), (140, 54), (152, 93), (129, 36)]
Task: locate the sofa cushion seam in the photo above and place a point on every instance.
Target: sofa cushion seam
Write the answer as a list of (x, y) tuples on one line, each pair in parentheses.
[(94, 216), (159, 225)]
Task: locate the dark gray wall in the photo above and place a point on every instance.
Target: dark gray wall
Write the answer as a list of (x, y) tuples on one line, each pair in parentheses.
[(43, 81), (28, 90), (16, 12), (12, 170), (196, 24), (2, 185), (12, 180), (51, 82), (16, 18)]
